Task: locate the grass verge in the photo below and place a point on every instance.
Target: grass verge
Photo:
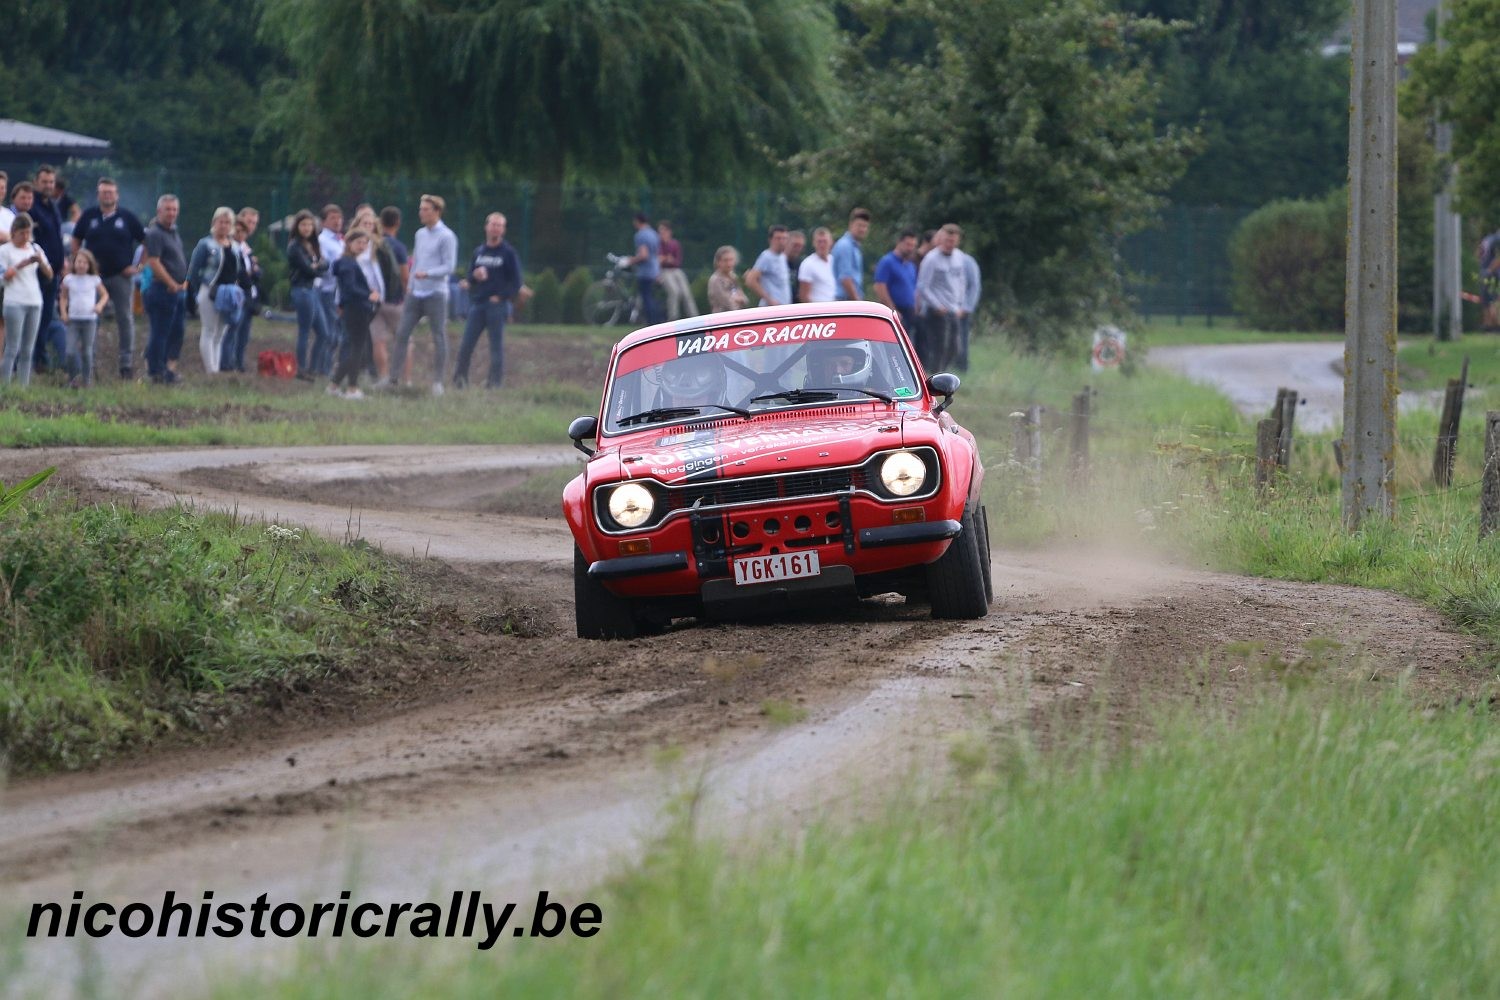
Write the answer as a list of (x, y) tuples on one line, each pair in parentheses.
[(123, 625), (1315, 845)]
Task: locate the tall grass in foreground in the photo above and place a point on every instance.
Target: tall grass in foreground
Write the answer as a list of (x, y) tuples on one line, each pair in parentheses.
[(1315, 846), (117, 625)]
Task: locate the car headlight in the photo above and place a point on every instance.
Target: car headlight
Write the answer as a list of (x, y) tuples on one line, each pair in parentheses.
[(903, 473), (631, 505)]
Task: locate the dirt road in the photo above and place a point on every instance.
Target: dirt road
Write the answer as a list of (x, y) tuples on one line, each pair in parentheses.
[(520, 762)]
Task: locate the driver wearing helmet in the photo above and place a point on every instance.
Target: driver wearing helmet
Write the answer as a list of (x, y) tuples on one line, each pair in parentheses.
[(693, 381), (841, 362)]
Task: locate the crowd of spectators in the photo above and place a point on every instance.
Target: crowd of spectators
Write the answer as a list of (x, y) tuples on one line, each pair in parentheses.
[(360, 295)]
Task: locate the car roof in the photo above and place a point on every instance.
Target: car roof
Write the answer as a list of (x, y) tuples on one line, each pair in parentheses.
[(752, 317)]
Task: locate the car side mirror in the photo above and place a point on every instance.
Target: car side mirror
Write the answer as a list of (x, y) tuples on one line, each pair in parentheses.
[(583, 427), (943, 384)]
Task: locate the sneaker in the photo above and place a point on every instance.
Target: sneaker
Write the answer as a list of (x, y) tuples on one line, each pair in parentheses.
[(334, 390), (127, 374), (306, 377), (437, 388), (382, 384), (354, 394)]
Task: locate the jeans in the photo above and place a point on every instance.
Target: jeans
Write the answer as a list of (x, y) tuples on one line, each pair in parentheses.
[(965, 327), (21, 323), (50, 333), (647, 289), (165, 310), (912, 328), (435, 309), (236, 338), (941, 335), (309, 318), (81, 334), (122, 298), (335, 326), (483, 316)]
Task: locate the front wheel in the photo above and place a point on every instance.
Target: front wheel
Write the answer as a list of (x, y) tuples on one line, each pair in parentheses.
[(599, 614), (601, 304), (956, 581)]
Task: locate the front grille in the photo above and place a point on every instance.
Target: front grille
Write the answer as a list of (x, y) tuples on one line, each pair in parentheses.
[(763, 489)]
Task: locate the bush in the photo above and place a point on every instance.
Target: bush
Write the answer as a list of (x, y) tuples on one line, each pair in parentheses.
[(1287, 260), (547, 298), (700, 293), (574, 285)]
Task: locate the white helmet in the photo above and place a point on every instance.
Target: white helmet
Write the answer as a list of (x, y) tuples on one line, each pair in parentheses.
[(840, 362), (695, 380)]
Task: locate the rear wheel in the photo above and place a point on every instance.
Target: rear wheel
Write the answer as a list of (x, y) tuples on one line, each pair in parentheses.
[(599, 614), (956, 581)]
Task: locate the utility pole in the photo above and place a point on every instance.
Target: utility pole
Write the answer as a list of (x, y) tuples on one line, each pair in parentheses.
[(1447, 308), (1370, 279)]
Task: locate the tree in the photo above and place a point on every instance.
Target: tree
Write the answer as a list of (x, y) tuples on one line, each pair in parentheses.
[(674, 91), (1462, 83), (1030, 125), (172, 83), (1272, 110)]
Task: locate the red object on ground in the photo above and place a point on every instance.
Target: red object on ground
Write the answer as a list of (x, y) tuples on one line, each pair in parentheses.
[(277, 364)]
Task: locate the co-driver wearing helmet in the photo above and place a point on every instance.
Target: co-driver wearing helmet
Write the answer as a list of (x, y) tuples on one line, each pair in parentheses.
[(842, 362)]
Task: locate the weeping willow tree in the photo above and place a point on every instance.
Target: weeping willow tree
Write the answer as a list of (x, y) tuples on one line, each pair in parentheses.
[(671, 91)]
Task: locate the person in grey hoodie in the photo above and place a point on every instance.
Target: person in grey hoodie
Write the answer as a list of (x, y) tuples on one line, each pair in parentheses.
[(434, 256), (942, 299)]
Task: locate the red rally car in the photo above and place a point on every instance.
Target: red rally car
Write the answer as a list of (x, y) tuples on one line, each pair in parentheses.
[(768, 457)]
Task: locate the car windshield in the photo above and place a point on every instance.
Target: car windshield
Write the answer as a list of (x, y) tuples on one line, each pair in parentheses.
[(712, 372)]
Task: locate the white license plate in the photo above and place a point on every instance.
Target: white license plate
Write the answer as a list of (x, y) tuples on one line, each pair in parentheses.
[(787, 566)]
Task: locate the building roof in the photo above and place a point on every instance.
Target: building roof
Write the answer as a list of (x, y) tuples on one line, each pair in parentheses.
[(1411, 20), (26, 138)]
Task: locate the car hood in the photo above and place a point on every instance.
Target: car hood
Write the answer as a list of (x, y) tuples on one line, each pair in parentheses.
[(766, 444)]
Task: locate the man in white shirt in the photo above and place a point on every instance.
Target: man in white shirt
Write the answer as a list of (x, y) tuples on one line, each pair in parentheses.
[(434, 255), (941, 298), (971, 302), (815, 276)]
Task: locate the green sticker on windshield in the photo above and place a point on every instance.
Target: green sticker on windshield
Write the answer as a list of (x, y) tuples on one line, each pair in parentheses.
[(905, 391)]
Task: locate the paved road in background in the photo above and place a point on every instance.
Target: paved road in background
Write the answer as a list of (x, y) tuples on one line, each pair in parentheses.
[(1250, 374)]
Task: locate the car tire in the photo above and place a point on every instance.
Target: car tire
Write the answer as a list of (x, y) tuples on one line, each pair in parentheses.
[(984, 554), (955, 582), (599, 613)]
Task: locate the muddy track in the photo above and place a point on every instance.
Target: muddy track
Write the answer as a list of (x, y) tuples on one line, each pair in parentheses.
[(530, 761)]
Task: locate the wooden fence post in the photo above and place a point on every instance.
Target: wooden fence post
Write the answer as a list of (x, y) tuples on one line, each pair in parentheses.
[(1034, 428), (1447, 440), (1287, 399), (1265, 453), (1078, 446), (1489, 496)]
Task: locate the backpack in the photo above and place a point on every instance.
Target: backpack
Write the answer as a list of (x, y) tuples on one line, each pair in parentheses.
[(277, 364)]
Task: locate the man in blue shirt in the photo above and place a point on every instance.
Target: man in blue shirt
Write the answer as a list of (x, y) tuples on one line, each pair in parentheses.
[(111, 233), (896, 282), (849, 257), (647, 263)]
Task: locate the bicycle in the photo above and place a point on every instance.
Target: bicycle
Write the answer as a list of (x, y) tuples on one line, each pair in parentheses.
[(613, 298)]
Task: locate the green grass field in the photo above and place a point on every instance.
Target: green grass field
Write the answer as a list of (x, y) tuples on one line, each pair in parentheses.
[(1327, 842)]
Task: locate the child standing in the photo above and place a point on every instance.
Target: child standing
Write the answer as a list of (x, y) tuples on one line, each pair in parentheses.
[(22, 261), (81, 300)]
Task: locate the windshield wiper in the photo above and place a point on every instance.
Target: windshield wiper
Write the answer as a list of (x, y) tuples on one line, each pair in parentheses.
[(820, 394), (673, 412)]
